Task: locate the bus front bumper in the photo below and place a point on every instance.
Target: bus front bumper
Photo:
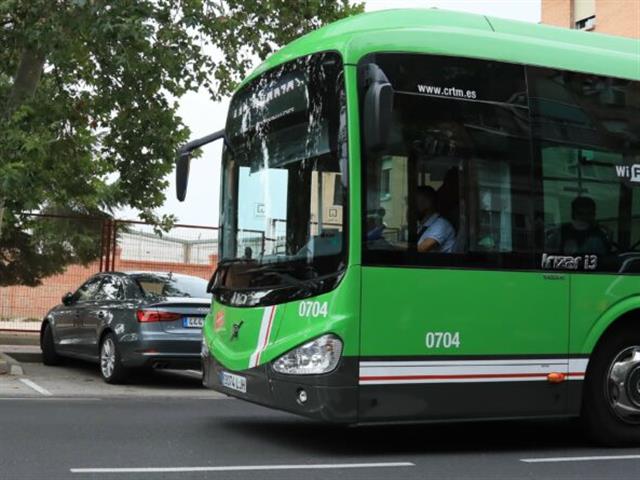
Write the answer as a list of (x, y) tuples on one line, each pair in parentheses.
[(330, 397)]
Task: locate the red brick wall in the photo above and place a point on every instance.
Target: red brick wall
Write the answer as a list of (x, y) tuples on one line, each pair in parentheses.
[(34, 302), (618, 17), (613, 17), (557, 12), (197, 270)]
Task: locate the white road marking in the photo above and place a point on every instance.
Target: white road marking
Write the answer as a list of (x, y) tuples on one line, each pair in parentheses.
[(51, 399), (240, 468), (580, 459), (36, 387)]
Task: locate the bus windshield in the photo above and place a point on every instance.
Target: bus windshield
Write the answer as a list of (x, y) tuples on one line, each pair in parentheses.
[(284, 177)]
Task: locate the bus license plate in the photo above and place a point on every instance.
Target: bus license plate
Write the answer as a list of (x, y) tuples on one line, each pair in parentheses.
[(192, 322), (234, 382)]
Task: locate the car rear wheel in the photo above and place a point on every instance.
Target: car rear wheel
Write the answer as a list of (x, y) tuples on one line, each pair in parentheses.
[(111, 366), (611, 406), (49, 355)]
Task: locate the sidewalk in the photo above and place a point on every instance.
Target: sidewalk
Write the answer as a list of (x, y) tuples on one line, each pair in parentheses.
[(19, 338), (16, 347), (78, 379)]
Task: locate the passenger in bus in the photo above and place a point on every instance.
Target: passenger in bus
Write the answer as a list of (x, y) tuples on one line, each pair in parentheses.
[(435, 233), (583, 234), (375, 224), (375, 230)]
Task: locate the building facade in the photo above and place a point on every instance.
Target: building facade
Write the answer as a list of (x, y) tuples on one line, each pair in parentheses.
[(612, 17)]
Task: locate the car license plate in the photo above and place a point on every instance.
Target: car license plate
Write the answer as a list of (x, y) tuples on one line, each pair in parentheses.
[(192, 322), (234, 382)]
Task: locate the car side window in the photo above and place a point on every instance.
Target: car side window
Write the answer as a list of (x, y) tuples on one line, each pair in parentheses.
[(87, 291), (111, 289)]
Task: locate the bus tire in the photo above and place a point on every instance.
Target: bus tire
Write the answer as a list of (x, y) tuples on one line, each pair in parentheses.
[(49, 355), (611, 397)]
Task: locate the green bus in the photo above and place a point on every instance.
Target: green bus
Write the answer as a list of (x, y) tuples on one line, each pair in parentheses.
[(432, 216)]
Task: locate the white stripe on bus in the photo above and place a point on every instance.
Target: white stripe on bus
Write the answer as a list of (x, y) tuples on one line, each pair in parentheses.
[(574, 362), (266, 325), (469, 371)]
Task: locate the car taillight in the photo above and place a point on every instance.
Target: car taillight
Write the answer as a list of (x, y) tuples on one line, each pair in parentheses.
[(146, 316)]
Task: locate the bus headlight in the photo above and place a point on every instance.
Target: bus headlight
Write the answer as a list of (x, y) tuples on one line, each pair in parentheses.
[(317, 356)]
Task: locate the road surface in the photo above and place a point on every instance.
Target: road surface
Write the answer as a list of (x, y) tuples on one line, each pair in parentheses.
[(167, 427)]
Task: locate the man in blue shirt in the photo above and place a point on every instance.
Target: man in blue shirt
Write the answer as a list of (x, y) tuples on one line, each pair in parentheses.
[(435, 233)]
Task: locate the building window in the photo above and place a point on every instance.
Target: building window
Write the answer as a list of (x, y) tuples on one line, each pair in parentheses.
[(338, 190), (385, 188), (587, 23)]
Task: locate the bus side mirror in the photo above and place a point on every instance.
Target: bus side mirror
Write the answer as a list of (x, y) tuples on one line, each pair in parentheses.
[(182, 173), (377, 111), (184, 160)]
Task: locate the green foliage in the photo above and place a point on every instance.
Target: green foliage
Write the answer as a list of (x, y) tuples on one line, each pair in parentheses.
[(38, 247), (99, 128)]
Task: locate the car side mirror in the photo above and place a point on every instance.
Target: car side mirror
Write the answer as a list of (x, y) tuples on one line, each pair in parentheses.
[(377, 109), (67, 299)]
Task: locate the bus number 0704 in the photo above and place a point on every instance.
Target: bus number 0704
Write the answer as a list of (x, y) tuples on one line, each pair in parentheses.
[(442, 340), (313, 309)]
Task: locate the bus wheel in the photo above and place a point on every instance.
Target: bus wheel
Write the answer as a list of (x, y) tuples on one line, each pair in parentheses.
[(611, 404)]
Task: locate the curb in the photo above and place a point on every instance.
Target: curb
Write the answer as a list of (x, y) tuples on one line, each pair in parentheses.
[(10, 365)]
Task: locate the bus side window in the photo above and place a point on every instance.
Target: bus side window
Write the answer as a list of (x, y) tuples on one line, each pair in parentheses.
[(453, 187), (585, 149)]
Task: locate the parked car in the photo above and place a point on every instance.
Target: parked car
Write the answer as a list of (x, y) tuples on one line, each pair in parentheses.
[(127, 320)]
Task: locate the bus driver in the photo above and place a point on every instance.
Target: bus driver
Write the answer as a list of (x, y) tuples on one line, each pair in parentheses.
[(435, 233)]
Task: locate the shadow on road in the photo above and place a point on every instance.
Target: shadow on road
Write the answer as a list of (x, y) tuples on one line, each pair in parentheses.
[(148, 378), (470, 437)]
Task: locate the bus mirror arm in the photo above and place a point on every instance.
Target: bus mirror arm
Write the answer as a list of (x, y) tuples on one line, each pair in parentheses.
[(377, 109), (183, 161)]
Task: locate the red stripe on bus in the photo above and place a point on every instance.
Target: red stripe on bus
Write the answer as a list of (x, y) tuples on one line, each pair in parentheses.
[(462, 376)]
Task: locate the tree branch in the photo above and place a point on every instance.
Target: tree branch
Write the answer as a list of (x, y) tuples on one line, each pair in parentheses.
[(26, 79)]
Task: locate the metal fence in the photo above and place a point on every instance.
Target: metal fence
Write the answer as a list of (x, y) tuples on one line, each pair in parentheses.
[(125, 245), (109, 245)]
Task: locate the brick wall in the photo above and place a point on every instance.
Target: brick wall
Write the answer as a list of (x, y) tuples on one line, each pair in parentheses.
[(618, 17), (613, 17), (557, 12), (33, 302)]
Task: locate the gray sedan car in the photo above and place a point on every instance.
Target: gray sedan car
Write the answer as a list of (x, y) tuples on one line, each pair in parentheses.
[(127, 320)]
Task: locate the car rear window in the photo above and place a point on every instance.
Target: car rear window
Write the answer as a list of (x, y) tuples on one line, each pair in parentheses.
[(156, 285)]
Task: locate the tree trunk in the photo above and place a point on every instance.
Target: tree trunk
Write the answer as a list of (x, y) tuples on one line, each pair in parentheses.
[(26, 79), (23, 88), (1, 215)]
